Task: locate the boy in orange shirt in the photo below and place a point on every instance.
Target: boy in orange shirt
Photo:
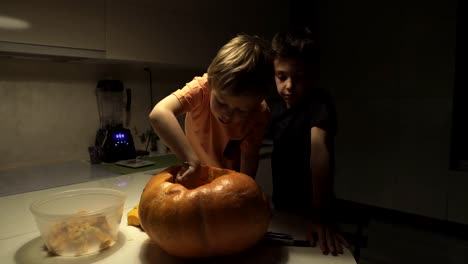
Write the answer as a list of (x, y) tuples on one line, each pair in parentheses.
[(226, 115)]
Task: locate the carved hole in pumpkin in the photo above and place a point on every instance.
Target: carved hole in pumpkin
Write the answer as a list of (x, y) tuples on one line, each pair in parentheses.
[(204, 176)]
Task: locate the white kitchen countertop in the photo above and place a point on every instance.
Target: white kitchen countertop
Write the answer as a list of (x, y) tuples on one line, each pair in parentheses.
[(43, 176), (20, 241), (39, 177)]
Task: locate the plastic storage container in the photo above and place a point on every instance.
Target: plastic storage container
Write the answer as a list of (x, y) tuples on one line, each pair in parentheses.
[(79, 222)]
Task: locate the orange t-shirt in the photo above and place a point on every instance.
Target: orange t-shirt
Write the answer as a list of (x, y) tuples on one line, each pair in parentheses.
[(215, 143)]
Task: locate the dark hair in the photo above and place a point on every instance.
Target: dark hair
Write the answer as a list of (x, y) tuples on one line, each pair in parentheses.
[(298, 44)]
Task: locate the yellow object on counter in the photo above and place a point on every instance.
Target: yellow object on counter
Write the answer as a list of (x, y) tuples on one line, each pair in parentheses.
[(132, 217)]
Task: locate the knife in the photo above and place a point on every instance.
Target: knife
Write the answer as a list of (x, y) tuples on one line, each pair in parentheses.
[(281, 239), (185, 166)]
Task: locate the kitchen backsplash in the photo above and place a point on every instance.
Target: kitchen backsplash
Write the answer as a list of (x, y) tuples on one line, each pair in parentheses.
[(48, 109)]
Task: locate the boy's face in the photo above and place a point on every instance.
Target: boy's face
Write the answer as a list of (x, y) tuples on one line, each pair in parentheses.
[(229, 109), (291, 80)]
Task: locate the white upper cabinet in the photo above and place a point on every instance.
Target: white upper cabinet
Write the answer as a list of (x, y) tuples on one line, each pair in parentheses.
[(186, 33), (48, 26), (176, 32)]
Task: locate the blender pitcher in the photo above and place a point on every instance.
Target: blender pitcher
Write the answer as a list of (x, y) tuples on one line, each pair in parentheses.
[(113, 140), (110, 98)]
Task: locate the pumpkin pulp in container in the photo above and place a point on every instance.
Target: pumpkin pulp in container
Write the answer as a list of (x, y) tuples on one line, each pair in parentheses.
[(79, 222)]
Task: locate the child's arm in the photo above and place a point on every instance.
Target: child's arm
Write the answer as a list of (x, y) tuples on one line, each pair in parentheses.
[(320, 168), (249, 162), (250, 147), (164, 122), (328, 238)]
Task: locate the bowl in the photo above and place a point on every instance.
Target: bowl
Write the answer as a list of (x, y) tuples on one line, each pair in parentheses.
[(79, 222)]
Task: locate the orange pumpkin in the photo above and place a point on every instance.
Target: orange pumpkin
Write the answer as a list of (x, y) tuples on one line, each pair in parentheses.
[(221, 212)]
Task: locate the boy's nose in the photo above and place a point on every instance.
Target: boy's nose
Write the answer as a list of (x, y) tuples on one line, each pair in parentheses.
[(227, 117), (289, 84), (228, 111)]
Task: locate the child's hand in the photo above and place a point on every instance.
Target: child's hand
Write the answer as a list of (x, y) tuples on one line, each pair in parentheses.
[(189, 169), (328, 237)]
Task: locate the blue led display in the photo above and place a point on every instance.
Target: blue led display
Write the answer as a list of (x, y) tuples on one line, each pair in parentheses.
[(119, 136)]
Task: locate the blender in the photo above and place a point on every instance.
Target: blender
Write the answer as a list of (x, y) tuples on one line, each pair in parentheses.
[(114, 142)]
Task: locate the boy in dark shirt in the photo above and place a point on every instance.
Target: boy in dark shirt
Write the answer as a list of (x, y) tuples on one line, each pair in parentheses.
[(303, 129)]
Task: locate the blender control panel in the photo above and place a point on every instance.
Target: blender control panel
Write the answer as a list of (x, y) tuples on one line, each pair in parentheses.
[(120, 139), (117, 145)]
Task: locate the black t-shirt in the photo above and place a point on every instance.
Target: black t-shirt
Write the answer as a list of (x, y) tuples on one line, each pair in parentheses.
[(290, 161)]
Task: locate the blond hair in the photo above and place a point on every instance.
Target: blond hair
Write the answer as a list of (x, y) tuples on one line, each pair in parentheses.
[(243, 66)]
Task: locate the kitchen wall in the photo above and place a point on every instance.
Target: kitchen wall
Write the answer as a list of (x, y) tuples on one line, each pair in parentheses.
[(48, 109), (390, 65)]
